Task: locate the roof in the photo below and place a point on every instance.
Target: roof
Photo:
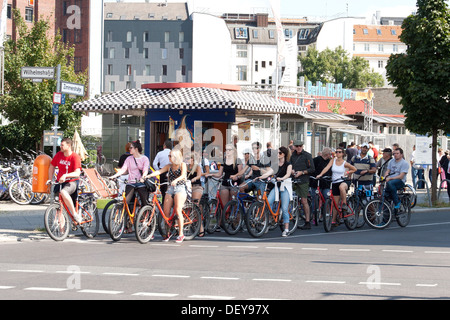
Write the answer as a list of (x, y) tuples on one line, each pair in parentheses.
[(145, 11), (348, 107), (367, 33), (136, 101)]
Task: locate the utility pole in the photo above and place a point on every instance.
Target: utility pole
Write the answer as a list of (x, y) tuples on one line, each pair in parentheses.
[(55, 126)]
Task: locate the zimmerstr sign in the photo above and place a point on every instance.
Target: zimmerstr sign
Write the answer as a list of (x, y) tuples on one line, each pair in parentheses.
[(75, 89)]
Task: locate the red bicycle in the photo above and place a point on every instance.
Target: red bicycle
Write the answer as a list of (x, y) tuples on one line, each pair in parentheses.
[(348, 214)]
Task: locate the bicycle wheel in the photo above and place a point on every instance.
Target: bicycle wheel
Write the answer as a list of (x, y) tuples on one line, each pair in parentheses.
[(257, 219), (350, 218), (20, 192), (293, 218), (105, 214), (358, 208), (328, 215), (145, 224), (192, 220), (412, 194), (403, 216), (232, 217), (214, 212), (378, 214), (165, 228), (56, 222), (90, 214), (117, 219)]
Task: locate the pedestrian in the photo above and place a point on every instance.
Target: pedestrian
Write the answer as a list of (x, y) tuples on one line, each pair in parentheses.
[(69, 170), (351, 151), (303, 167), (444, 162)]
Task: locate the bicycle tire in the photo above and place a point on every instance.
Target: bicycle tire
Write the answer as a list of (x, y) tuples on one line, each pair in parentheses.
[(403, 217), (232, 217), (350, 218), (257, 219), (117, 219), (358, 208), (378, 214), (214, 212), (164, 228), (105, 214), (145, 223), (412, 194), (90, 229), (56, 222), (21, 192), (328, 215), (315, 213), (293, 218), (192, 220)]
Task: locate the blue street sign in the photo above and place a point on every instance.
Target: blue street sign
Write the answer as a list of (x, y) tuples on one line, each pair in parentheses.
[(55, 109)]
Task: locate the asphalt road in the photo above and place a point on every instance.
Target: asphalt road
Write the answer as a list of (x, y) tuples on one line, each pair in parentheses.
[(395, 263)]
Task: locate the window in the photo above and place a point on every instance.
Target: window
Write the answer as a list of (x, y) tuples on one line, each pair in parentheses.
[(29, 13), (183, 70), (366, 47), (112, 86), (65, 35), (263, 64), (393, 32), (127, 53), (271, 34), (288, 33), (241, 51), (164, 70), (77, 34), (145, 36), (255, 34), (9, 12), (128, 85), (145, 53), (380, 64), (147, 70), (256, 66), (110, 36), (395, 48), (164, 53), (181, 37), (365, 31), (112, 53), (241, 73), (181, 53), (379, 32), (78, 67), (129, 36), (110, 69), (128, 69), (380, 47), (303, 34), (166, 36)]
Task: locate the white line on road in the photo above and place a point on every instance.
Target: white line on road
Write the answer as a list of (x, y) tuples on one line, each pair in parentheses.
[(170, 276), (219, 278), (273, 280), (426, 285), (398, 251), (315, 249), (325, 281), (196, 296), (155, 294), (380, 284), (120, 274), (6, 287), (438, 252), (243, 247), (355, 250), (30, 271), (46, 289), (100, 291), (280, 248)]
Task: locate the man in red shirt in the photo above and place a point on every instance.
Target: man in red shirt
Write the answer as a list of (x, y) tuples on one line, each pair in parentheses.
[(69, 170)]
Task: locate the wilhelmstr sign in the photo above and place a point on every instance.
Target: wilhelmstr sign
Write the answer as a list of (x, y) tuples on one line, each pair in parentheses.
[(37, 72)]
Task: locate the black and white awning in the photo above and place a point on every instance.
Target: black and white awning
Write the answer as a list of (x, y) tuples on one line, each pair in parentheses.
[(136, 101)]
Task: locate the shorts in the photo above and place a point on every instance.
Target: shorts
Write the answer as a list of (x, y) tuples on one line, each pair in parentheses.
[(196, 188), (336, 185), (255, 185), (70, 187), (302, 190), (175, 190)]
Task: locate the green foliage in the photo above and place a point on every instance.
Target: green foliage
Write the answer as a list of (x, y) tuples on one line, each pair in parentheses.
[(31, 103), (422, 74), (336, 66)]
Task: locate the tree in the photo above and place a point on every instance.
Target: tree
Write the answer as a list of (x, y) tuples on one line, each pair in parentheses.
[(422, 74), (336, 66), (31, 103)]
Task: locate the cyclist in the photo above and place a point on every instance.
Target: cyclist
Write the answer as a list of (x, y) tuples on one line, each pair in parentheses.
[(230, 168), (176, 174), (283, 187), (303, 167), (338, 168), (320, 163), (69, 170), (365, 167), (137, 166), (396, 172)]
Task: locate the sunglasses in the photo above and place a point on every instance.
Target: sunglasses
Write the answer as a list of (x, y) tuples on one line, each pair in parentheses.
[(339, 152)]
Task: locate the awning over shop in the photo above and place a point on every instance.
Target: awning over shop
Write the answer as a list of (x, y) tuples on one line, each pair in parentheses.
[(389, 119), (326, 116), (136, 101), (347, 128)]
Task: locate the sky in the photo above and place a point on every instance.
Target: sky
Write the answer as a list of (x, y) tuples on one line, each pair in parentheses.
[(301, 8)]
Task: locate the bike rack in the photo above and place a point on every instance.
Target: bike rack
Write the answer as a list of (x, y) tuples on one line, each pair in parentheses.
[(440, 187)]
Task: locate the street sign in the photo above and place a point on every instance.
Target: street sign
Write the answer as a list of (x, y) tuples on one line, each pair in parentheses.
[(55, 109), (50, 135), (37, 73), (57, 98), (72, 88)]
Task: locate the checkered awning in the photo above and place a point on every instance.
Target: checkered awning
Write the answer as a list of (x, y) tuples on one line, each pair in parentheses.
[(136, 101)]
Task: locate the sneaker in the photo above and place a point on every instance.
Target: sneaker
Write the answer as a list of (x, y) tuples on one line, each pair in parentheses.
[(78, 219), (307, 226), (285, 233), (167, 238), (180, 239), (397, 206)]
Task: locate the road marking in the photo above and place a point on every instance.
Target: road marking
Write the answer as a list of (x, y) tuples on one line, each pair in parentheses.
[(196, 296), (6, 287), (273, 280), (100, 291), (155, 294), (426, 285), (46, 289), (280, 248), (355, 250), (170, 276), (219, 278), (244, 247), (438, 252), (31, 271), (315, 249), (325, 281), (120, 274), (73, 272), (380, 283), (202, 246), (398, 251)]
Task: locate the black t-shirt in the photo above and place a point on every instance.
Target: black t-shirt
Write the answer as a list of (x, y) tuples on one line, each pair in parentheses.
[(320, 164), (229, 170), (282, 171)]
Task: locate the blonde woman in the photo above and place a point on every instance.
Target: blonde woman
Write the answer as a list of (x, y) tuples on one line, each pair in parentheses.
[(176, 193), (229, 169)]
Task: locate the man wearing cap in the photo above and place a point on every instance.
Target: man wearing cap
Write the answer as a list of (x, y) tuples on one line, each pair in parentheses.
[(302, 168), (365, 167), (383, 162)]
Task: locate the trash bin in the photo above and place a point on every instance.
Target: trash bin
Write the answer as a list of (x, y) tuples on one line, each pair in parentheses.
[(40, 174)]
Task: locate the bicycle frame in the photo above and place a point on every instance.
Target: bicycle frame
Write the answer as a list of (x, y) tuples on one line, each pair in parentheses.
[(131, 215)]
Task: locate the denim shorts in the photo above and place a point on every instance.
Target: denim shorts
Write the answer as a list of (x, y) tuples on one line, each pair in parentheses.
[(174, 190)]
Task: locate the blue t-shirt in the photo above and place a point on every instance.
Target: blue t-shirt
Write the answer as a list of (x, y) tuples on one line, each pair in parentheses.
[(397, 167)]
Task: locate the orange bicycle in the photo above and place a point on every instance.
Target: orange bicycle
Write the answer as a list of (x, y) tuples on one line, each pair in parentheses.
[(261, 216), (167, 225), (121, 217), (58, 219)]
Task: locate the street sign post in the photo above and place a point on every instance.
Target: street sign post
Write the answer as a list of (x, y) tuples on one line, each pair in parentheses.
[(50, 137)]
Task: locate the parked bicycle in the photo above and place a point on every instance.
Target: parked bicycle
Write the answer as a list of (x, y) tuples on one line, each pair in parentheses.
[(58, 219)]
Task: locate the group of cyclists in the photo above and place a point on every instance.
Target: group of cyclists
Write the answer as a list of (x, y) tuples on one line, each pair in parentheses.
[(187, 174)]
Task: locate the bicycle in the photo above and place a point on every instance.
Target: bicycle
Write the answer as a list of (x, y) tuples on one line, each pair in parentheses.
[(318, 201), (359, 199), (260, 214), (56, 217), (236, 209), (378, 212), (213, 210), (121, 217), (349, 216)]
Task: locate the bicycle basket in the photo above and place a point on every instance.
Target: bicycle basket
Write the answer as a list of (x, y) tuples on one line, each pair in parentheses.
[(150, 184)]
